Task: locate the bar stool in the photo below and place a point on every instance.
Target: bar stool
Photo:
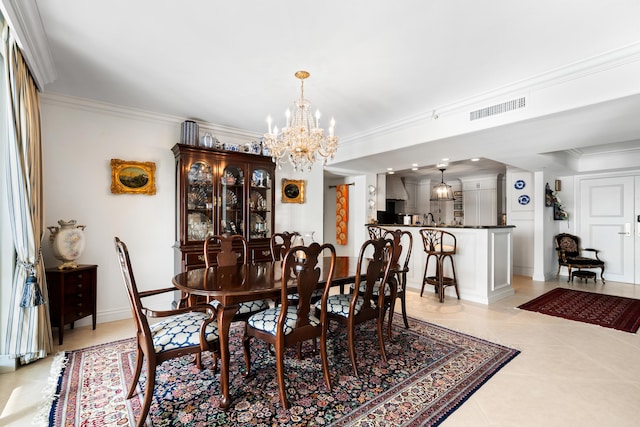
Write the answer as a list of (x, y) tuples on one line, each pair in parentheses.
[(440, 245)]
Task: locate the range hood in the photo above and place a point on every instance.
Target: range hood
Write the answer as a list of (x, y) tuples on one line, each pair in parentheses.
[(395, 188)]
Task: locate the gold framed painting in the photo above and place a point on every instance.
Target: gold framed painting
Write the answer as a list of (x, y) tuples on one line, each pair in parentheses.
[(133, 177), (293, 190)]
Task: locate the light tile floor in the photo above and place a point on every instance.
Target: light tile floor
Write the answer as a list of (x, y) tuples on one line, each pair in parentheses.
[(568, 374)]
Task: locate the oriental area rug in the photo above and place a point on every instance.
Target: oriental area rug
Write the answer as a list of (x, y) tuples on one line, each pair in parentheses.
[(609, 311), (430, 372)]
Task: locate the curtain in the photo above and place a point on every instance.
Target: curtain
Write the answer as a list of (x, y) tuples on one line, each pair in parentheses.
[(28, 335), (342, 213)]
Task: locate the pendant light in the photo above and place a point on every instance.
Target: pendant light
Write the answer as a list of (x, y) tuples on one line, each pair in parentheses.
[(442, 191)]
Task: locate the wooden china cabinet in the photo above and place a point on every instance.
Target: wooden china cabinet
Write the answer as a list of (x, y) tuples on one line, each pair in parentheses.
[(220, 192)]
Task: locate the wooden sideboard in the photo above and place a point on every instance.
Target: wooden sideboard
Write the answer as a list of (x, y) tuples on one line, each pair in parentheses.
[(72, 295)]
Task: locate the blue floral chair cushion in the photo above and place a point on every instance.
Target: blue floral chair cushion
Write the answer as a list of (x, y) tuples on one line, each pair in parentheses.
[(267, 320), (182, 330), (247, 307)]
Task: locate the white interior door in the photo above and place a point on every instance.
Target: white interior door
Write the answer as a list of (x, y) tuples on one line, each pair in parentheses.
[(608, 223)]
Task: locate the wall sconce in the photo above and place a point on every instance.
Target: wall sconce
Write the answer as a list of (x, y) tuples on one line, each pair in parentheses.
[(558, 185)]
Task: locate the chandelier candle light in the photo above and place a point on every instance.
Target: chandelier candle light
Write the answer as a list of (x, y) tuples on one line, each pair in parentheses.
[(301, 141)]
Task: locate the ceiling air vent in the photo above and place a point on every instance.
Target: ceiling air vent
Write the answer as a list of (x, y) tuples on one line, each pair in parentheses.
[(497, 109)]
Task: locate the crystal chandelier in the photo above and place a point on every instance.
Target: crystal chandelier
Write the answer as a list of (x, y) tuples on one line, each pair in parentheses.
[(301, 141), (442, 191)]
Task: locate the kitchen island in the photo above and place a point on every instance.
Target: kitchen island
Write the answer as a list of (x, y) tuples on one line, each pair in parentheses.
[(484, 261)]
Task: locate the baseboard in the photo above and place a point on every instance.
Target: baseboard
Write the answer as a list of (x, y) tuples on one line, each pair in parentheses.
[(8, 364)]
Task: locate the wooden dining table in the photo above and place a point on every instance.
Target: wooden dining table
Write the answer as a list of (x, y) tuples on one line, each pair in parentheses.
[(249, 282)]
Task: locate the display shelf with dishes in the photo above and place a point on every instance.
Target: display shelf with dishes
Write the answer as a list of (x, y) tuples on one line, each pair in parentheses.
[(219, 192)]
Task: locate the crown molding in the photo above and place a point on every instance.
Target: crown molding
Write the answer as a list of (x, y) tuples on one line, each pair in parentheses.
[(574, 71), (142, 115), (24, 20)]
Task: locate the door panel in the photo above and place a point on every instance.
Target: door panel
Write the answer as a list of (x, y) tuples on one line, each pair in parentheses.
[(607, 209)]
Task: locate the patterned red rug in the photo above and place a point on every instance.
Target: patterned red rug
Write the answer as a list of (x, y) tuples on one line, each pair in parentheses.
[(430, 372), (609, 311)]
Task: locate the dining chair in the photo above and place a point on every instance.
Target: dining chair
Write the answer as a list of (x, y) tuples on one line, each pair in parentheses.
[(293, 322), (188, 330), (403, 242), (280, 244), (358, 307), (225, 250)]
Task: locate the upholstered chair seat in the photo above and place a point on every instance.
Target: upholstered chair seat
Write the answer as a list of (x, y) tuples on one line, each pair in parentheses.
[(181, 331), (267, 320)]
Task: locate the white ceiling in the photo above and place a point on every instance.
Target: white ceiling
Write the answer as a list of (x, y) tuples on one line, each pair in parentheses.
[(373, 63)]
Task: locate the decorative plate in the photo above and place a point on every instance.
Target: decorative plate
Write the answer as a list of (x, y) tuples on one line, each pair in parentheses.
[(258, 200), (524, 199), (519, 185), (231, 198)]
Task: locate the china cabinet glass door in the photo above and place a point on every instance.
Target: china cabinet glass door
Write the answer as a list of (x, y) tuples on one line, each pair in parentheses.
[(260, 209), (231, 206), (200, 201)]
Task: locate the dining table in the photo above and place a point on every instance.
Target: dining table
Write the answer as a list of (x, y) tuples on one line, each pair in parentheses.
[(249, 282)]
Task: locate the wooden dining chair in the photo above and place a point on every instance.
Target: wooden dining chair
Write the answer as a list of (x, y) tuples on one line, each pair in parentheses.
[(226, 250), (280, 244), (403, 242), (188, 330), (355, 308), (293, 322)]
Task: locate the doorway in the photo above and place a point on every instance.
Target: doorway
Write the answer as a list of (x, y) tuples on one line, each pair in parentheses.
[(610, 215)]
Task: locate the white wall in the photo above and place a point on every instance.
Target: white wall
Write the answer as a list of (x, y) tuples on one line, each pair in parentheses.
[(358, 212), (301, 217), (522, 217), (79, 139)]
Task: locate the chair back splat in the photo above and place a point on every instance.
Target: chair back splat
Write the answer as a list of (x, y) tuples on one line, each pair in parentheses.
[(225, 250), (228, 251), (280, 244), (296, 321)]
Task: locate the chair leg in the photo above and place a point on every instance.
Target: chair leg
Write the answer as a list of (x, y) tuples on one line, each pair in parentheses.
[(246, 347), (569, 272), (148, 393), (352, 349), (280, 374), (214, 362), (136, 373), (381, 336), (602, 275), (403, 303), (325, 359), (455, 278)]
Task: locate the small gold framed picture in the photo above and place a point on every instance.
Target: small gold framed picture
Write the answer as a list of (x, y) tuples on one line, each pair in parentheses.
[(133, 177), (292, 190)]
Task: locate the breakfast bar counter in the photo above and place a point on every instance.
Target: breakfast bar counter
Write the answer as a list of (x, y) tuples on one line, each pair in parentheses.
[(484, 261)]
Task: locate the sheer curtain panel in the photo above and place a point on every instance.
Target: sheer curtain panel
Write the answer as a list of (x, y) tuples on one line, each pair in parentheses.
[(28, 335)]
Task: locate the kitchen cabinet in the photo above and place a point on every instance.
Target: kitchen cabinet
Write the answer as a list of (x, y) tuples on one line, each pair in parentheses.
[(220, 192), (480, 207)]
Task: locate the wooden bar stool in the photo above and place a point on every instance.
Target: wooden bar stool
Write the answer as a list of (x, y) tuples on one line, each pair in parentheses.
[(440, 245)]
